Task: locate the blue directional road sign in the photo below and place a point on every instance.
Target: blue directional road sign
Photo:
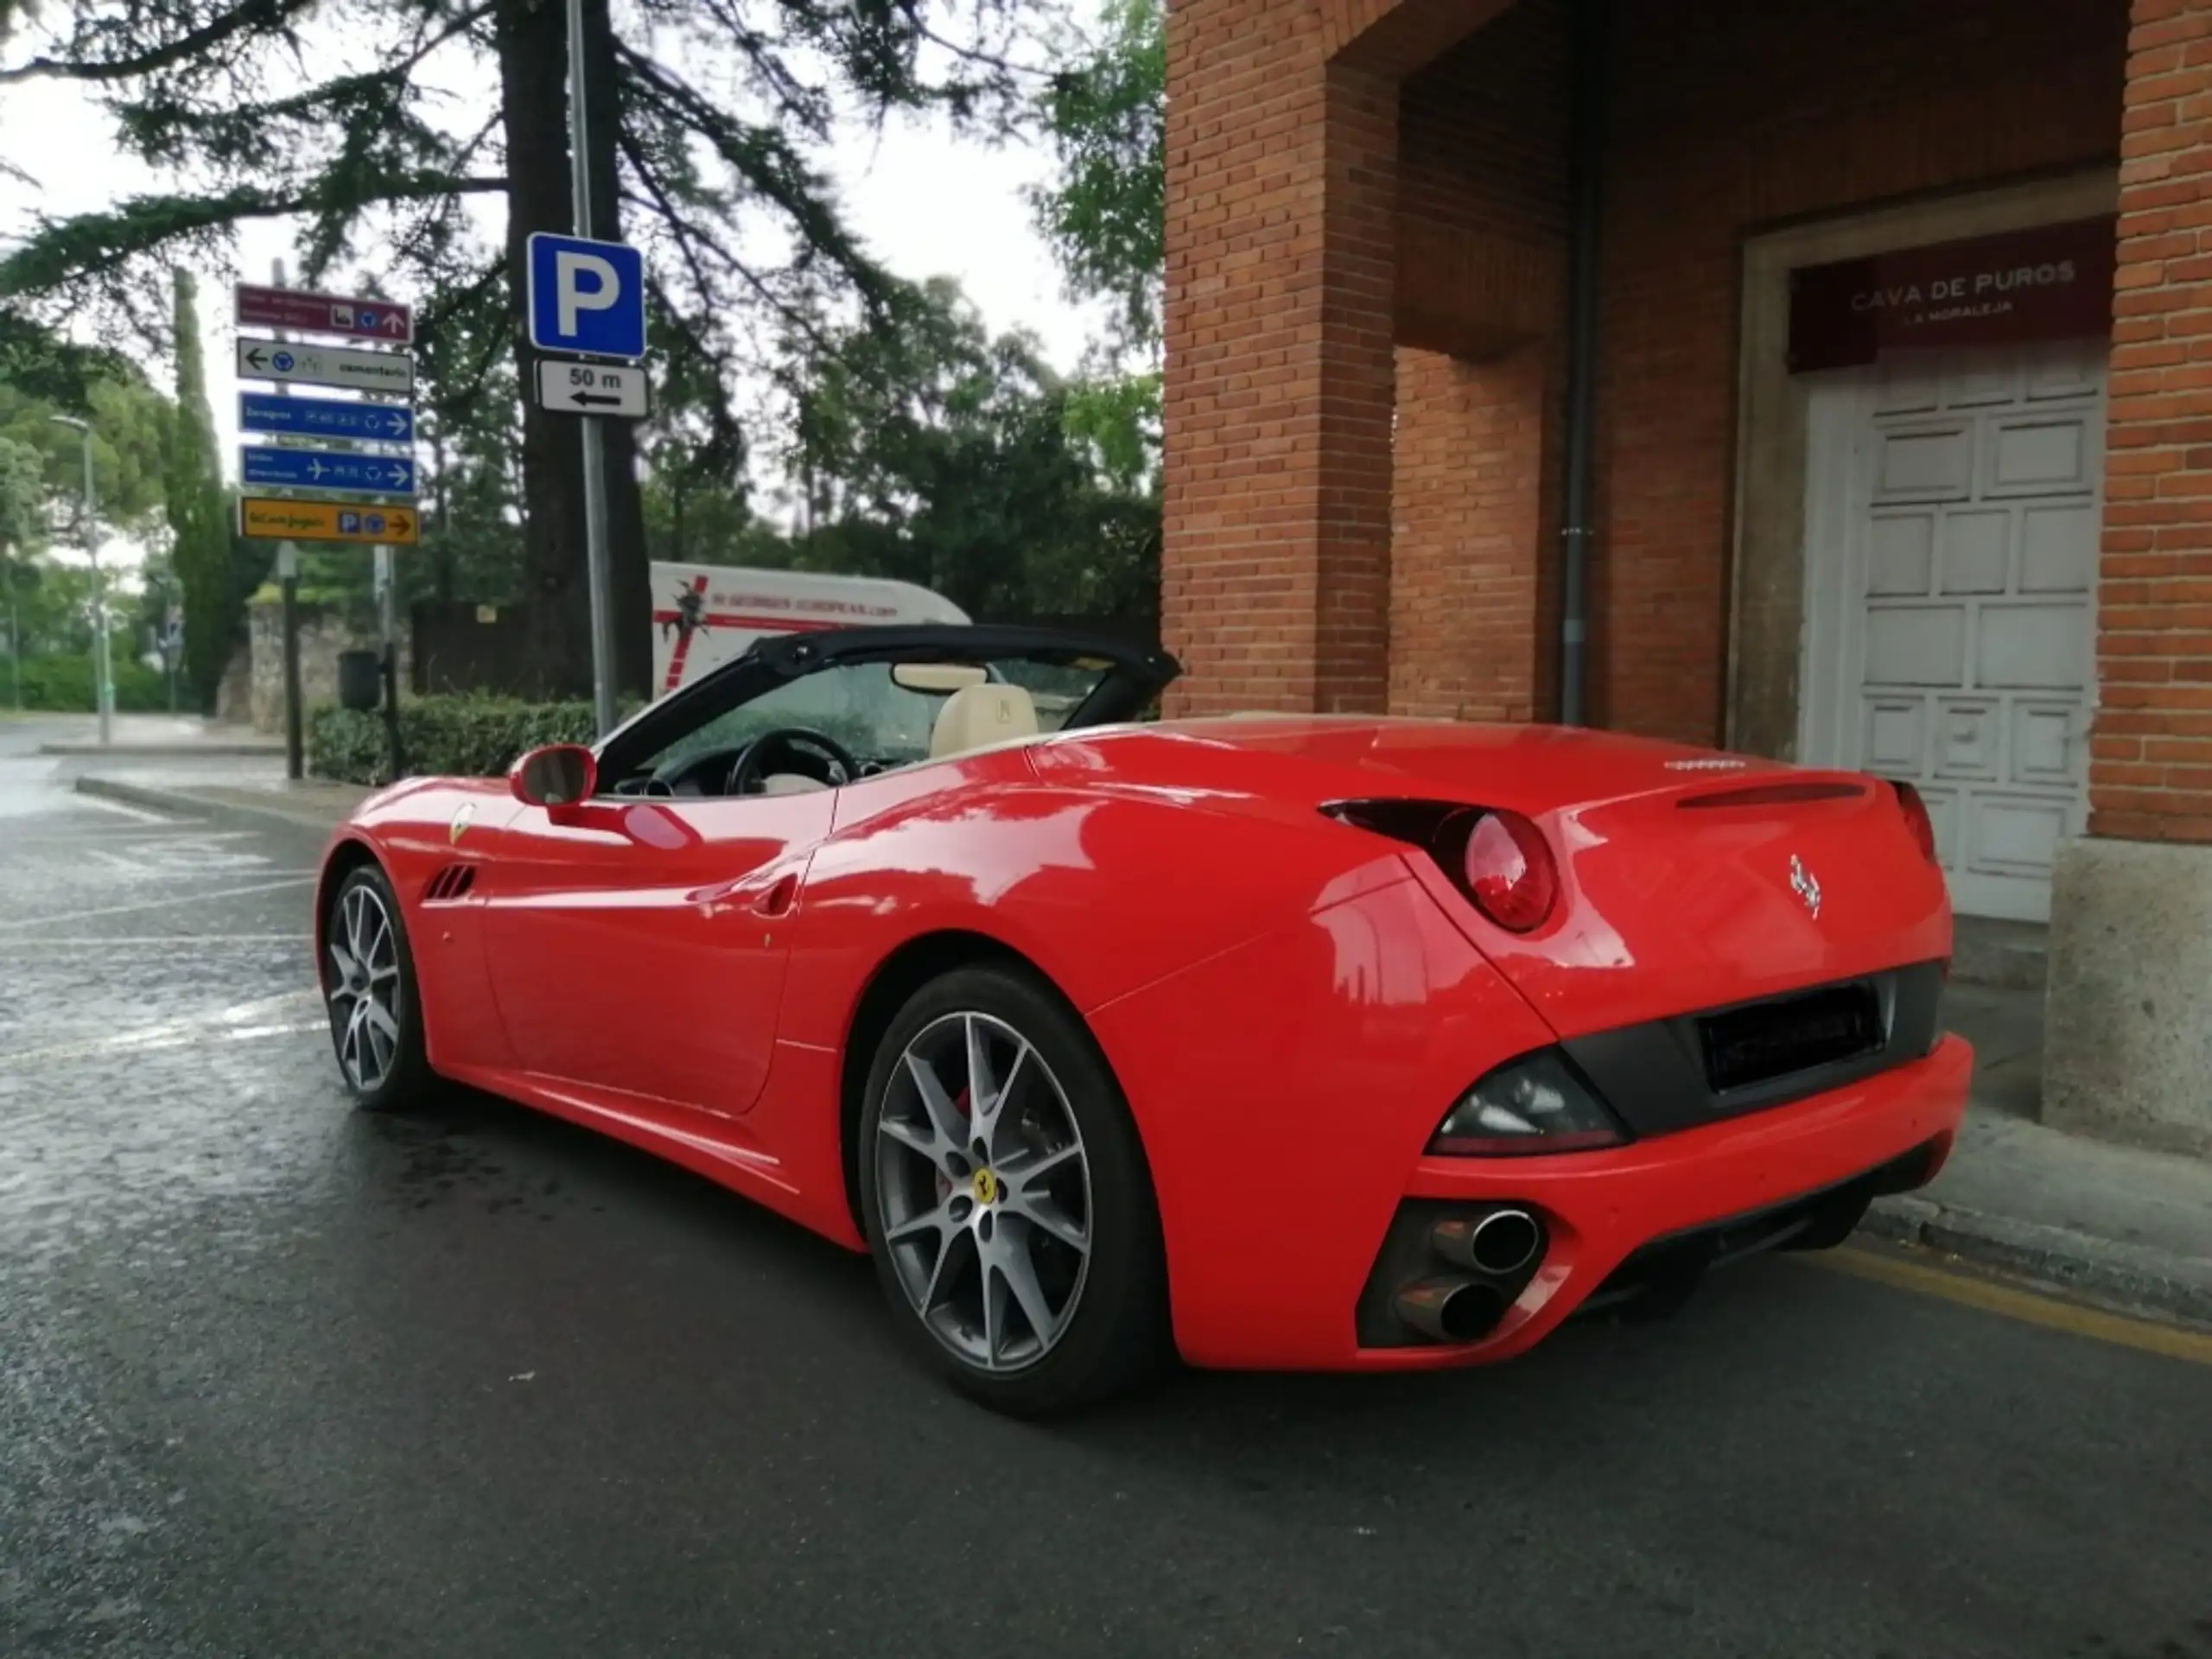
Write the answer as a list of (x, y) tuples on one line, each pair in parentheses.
[(325, 417), (587, 297), (316, 469)]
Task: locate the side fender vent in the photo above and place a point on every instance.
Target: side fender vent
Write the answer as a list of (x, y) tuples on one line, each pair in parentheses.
[(451, 883)]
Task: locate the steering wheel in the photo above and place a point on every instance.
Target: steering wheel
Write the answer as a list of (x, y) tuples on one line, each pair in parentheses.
[(799, 748)]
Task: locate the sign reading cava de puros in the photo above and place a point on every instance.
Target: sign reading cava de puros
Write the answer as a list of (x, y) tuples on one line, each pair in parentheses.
[(2054, 282)]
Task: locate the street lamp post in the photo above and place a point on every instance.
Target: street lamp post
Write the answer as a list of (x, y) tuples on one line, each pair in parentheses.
[(104, 692), (15, 637)]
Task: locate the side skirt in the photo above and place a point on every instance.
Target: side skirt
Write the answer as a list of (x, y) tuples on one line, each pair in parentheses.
[(730, 1151)]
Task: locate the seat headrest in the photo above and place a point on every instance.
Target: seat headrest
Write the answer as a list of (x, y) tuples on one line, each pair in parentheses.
[(977, 715)]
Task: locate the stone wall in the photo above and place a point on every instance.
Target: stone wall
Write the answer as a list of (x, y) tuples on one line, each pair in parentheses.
[(234, 694), (325, 630)]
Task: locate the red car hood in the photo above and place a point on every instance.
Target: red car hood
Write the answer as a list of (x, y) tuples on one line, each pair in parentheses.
[(1691, 879)]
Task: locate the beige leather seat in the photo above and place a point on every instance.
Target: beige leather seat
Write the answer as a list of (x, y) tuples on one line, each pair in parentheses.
[(976, 716), (790, 782)]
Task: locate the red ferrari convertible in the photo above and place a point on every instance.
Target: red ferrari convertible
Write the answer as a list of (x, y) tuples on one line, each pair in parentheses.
[(1278, 1041)]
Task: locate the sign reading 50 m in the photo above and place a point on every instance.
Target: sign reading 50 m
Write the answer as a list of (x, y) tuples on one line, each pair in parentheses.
[(587, 297)]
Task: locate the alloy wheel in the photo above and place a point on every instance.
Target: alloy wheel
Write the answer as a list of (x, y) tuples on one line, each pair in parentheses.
[(984, 1189), (365, 1000)]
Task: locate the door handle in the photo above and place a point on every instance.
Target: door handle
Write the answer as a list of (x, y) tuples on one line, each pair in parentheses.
[(777, 900), (769, 896)]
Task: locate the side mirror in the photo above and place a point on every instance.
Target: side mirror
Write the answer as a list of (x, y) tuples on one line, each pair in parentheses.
[(560, 774)]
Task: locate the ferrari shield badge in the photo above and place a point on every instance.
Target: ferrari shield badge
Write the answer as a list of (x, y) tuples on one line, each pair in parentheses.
[(1805, 884), (462, 820)]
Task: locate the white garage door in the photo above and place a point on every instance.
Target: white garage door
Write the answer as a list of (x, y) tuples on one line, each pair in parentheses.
[(1953, 506)]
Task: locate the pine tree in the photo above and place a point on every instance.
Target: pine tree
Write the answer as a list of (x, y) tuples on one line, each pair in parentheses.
[(705, 113), (198, 513)]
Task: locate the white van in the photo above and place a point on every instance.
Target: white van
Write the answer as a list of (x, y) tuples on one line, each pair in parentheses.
[(704, 614)]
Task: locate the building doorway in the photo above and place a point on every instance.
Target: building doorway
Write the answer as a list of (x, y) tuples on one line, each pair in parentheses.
[(1953, 504)]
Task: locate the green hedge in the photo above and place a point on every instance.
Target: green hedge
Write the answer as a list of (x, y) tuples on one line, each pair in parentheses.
[(63, 685), (481, 736), (456, 737)]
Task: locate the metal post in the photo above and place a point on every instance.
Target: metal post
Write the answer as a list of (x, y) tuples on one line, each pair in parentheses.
[(15, 637), (387, 582), (597, 565), (103, 691), (288, 571), (101, 664), (1586, 164), (287, 575)]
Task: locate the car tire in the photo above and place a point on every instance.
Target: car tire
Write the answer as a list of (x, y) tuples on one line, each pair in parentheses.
[(382, 1070), (1111, 1331)]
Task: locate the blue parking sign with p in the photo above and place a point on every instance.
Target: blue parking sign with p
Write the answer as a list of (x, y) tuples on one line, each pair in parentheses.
[(587, 297)]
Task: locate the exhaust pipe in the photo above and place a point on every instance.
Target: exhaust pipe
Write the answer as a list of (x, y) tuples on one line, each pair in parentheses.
[(1450, 1309), (1500, 1244)]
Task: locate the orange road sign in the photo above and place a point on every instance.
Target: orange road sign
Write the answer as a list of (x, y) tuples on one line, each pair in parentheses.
[(266, 519)]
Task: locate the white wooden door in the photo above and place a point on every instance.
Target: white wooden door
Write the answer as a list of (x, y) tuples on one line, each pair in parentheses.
[(1953, 506)]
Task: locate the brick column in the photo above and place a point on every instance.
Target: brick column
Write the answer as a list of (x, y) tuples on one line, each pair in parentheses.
[(2152, 776), (1470, 484), (1282, 188), (2127, 1046)]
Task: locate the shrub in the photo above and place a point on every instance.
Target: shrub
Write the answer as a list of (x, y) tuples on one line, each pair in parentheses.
[(479, 736), (63, 685), (443, 736)]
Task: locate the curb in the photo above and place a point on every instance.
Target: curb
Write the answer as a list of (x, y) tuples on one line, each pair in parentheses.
[(165, 751), (183, 801), (2129, 1276)]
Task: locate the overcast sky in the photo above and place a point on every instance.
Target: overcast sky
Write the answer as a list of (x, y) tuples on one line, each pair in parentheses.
[(928, 204)]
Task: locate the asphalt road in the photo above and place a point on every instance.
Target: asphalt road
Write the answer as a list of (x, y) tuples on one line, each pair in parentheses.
[(277, 1378)]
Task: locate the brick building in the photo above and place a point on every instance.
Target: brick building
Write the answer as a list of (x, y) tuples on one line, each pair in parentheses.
[(1864, 348)]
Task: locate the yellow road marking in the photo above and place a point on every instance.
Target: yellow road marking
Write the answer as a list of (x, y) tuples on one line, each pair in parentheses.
[(2175, 1341)]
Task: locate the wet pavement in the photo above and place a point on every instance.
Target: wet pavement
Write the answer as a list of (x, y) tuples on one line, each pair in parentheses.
[(278, 1378)]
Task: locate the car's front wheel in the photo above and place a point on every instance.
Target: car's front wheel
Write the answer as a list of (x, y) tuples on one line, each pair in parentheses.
[(368, 984), (1005, 1197)]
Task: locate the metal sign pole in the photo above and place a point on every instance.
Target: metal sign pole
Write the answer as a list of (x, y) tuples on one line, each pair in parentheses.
[(387, 582), (597, 564), (295, 741), (288, 573), (101, 666)]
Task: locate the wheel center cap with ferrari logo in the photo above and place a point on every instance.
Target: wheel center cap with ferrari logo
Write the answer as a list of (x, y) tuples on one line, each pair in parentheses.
[(986, 1183)]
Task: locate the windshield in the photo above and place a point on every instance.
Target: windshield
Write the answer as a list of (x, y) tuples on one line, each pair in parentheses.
[(879, 722)]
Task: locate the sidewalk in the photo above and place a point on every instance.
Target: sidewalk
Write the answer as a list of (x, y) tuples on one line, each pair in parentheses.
[(2111, 1223), (310, 802), (143, 736), (2115, 1223)]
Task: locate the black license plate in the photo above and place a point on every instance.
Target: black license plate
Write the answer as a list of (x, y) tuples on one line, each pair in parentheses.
[(1756, 1045)]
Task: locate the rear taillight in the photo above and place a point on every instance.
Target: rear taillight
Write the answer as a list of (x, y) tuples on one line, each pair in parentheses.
[(1917, 820), (1499, 859), (1509, 872)]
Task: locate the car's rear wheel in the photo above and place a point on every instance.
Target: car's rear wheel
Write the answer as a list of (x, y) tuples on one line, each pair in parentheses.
[(1005, 1197), (368, 982)]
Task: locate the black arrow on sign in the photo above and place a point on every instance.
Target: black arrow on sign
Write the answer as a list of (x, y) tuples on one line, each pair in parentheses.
[(254, 356), (591, 397)]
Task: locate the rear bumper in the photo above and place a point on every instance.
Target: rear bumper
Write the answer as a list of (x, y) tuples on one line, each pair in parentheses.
[(1284, 1092), (1609, 1215)]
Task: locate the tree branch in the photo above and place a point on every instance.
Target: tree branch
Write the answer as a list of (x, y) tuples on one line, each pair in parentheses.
[(99, 245), (686, 238), (252, 15), (760, 156)]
